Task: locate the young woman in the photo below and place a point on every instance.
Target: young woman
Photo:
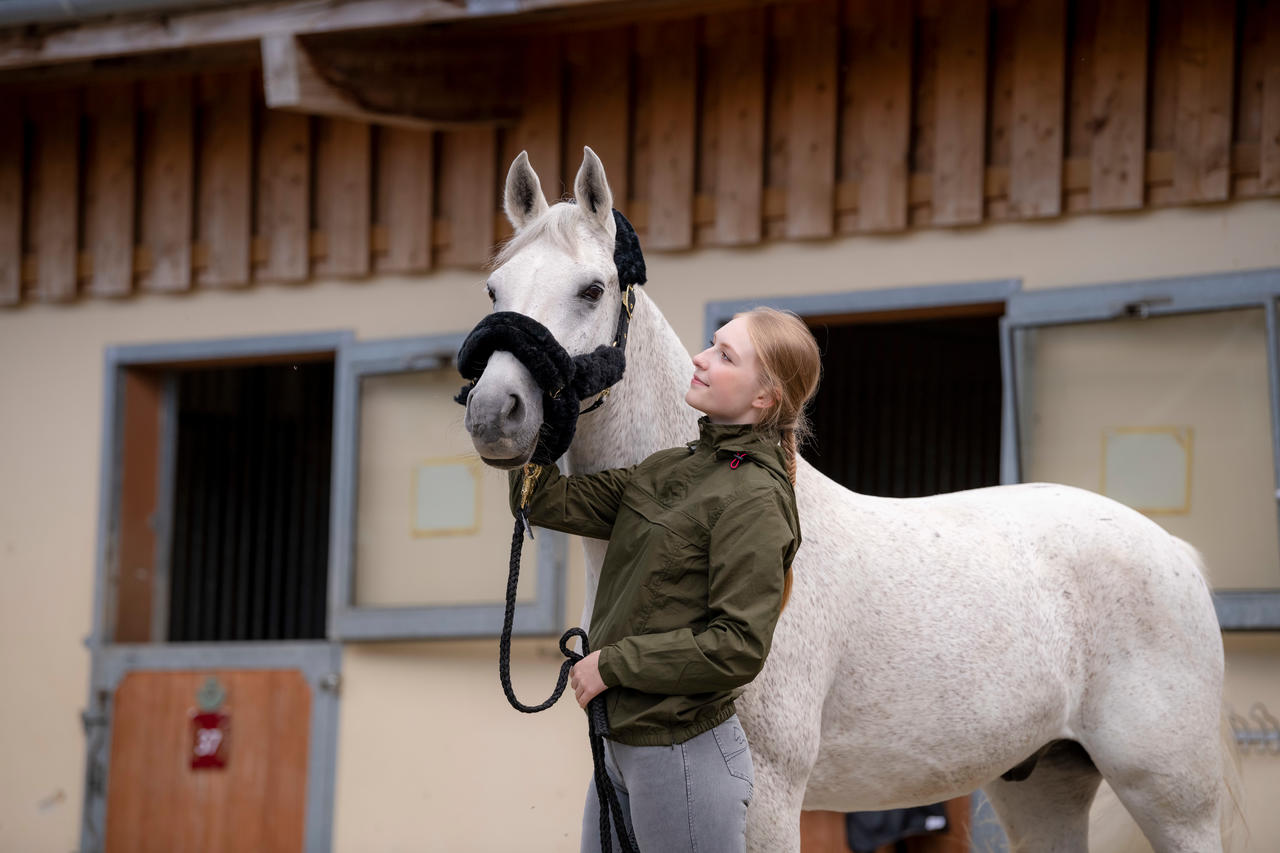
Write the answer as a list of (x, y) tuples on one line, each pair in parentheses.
[(701, 540)]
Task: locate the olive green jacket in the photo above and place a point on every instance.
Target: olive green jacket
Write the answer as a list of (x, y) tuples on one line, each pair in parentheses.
[(691, 585)]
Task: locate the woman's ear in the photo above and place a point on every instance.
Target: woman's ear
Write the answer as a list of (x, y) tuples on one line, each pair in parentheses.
[(764, 399)]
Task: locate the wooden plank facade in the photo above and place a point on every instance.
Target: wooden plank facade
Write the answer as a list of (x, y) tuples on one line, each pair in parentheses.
[(801, 120)]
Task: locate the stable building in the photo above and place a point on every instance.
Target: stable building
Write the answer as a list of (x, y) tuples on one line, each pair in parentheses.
[(251, 570)]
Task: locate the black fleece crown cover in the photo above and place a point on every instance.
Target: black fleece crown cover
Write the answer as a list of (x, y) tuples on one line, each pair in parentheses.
[(626, 253)]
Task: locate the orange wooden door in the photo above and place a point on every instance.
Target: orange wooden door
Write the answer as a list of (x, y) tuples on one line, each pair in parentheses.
[(157, 802)]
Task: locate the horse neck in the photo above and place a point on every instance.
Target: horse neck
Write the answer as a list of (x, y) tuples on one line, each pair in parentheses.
[(646, 411)]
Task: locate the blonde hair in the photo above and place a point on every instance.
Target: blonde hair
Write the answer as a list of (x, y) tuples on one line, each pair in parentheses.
[(790, 367)]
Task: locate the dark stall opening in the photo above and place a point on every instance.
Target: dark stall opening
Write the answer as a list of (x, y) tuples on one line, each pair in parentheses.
[(250, 536), (908, 408)]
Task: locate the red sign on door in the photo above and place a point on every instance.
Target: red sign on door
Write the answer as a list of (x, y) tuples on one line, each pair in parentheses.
[(209, 732)]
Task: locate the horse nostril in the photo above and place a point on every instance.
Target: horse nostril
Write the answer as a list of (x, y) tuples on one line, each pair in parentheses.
[(513, 408)]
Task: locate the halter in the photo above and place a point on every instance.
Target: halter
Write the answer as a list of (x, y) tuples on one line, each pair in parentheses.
[(551, 366), (565, 382)]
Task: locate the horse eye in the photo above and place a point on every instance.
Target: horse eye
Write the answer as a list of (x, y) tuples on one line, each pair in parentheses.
[(492, 296), (592, 293)]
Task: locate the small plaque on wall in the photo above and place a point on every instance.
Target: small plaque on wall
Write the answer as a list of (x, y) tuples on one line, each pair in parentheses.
[(446, 497), (1148, 468)]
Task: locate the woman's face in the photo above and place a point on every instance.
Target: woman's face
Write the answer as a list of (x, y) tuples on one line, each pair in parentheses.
[(726, 378)]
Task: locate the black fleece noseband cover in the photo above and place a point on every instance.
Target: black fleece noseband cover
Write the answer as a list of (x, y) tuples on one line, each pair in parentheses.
[(565, 380)]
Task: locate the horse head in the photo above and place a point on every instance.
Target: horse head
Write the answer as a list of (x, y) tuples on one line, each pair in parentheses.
[(559, 270)]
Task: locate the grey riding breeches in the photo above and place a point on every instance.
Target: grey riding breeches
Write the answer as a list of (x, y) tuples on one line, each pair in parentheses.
[(689, 796)]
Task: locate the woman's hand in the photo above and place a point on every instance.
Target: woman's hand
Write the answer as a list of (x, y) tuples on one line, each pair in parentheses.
[(585, 679)]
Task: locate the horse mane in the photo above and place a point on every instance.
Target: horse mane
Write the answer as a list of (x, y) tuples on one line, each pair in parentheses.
[(556, 225)]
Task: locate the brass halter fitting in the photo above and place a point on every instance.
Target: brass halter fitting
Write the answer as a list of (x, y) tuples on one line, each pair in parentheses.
[(532, 471)]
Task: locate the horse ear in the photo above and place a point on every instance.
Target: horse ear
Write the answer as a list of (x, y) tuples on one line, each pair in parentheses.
[(524, 201), (591, 189)]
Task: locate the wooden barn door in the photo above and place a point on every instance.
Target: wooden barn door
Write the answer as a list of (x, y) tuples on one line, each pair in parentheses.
[(169, 789), (213, 706), (909, 405)]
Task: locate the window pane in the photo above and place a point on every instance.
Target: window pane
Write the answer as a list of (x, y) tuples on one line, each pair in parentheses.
[(432, 522), (1170, 415)]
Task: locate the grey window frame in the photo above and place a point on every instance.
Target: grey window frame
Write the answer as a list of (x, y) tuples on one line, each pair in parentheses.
[(320, 661), (1238, 610), (348, 622)]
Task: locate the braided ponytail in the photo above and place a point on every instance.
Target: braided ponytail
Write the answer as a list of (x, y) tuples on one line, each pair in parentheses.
[(790, 366)]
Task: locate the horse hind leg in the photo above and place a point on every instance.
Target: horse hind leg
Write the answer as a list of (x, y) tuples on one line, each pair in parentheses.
[(1172, 786), (1048, 812)]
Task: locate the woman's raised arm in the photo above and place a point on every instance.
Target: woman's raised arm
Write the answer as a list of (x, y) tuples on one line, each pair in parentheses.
[(582, 504)]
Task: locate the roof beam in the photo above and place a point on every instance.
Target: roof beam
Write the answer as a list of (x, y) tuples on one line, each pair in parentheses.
[(26, 45), (408, 80)]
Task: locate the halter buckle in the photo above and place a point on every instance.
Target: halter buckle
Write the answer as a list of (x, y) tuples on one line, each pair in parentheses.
[(532, 471)]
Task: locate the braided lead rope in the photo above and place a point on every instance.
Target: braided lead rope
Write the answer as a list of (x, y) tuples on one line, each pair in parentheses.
[(598, 719)]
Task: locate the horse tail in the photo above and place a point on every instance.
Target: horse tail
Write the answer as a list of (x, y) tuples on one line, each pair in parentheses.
[(1231, 806)]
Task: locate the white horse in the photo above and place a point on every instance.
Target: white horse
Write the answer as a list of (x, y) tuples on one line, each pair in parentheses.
[(930, 645)]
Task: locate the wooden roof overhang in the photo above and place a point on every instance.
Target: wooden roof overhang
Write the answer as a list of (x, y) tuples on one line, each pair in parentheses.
[(418, 63), (161, 166)]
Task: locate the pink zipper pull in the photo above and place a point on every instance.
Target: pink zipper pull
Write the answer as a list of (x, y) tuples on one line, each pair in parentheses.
[(737, 460)]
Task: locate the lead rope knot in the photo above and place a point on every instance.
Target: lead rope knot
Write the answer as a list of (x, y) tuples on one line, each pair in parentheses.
[(597, 714)]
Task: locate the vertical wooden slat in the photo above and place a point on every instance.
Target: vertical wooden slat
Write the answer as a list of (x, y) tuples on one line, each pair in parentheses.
[(54, 191), (1253, 36), (1206, 55), (671, 143), (958, 167), (1002, 55), (924, 110), (1119, 105), (167, 176), (1166, 36), (225, 179), (1269, 147), (109, 188), (468, 187), (811, 167), (406, 176), (706, 167), (1035, 168), (11, 124), (1084, 20), (876, 138), (599, 80), (284, 195), (735, 67), (538, 130), (342, 206), (646, 56), (781, 26)]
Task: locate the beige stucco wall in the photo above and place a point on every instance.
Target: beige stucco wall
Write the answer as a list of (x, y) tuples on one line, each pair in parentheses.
[(430, 758)]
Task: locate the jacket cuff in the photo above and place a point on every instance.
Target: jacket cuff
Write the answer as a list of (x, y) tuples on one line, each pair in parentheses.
[(604, 664)]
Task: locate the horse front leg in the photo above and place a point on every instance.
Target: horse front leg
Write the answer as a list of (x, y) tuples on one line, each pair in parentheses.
[(773, 818), (784, 731)]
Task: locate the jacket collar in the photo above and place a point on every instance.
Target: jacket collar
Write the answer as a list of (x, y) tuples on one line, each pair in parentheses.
[(760, 445), (732, 437)]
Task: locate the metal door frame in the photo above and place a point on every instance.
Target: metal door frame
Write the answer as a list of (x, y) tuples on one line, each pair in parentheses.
[(319, 662)]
